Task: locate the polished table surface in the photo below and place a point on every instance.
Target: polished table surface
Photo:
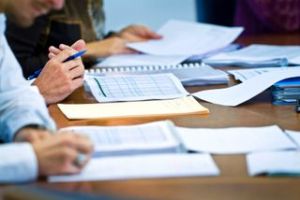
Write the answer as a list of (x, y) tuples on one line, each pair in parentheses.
[(233, 183)]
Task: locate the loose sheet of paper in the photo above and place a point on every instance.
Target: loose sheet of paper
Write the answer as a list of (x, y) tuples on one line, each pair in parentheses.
[(295, 136), (259, 53), (146, 166), (155, 137), (274, 163), (141, 60), (242, 92), (235, 140), (245, 74), (188, 38), (135, 87), (181, 106)]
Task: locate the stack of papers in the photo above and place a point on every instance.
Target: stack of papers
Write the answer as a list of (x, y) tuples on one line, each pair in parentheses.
[(164, 137), (155, 137), (180, 41), (189, 74), (182, 106), (281, 163), (284, 92), (188, 38), (276, 163), (148, 150), (248, 89), (258, 56)]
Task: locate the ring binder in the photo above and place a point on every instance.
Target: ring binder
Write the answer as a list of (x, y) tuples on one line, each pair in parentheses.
[(189, 74)]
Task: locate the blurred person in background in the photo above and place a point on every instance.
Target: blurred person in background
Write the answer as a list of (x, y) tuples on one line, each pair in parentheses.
[(268, 16)]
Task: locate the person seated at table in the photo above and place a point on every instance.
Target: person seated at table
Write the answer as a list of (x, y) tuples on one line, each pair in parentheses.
[(78, 19), (268, 16), (24, 118)]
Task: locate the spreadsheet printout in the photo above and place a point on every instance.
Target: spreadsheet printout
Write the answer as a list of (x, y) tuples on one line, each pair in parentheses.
[(135, 87)]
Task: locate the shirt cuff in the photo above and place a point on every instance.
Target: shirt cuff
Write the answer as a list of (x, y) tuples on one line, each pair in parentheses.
[(31, 81), (18, 163)]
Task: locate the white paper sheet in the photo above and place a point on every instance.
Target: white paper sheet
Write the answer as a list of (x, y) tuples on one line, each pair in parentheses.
[(147, 166), (274, 163), (245, 74), (235, 140), (155, 137), (259, 54), (140, 60), (188, 38), (295, 136), (242, 92), (135, 87)]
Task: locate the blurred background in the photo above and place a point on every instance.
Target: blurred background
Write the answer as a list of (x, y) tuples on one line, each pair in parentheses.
[(155, 13)]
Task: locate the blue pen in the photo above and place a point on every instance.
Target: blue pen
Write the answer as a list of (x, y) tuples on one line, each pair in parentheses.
[(72, 57)]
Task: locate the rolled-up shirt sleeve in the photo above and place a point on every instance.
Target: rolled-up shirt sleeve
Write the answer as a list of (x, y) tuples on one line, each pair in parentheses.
[(18, 163)]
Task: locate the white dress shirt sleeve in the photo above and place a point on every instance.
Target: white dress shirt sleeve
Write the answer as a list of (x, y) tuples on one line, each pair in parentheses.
[(18, 163), (20, 103)]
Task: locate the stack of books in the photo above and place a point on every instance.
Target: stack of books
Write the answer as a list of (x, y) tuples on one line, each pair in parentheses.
[(286, 92)]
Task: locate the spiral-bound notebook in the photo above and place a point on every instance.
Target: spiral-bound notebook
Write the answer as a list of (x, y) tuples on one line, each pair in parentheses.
[(188, 74)]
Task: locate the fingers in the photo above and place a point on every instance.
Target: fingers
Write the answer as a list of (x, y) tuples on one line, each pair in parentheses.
[(74, 69), (54, 50), (139, 33), (147, 33), (64, 54), (81, 143), (129, 51), (74, 151), (79, 45), (62, 153)]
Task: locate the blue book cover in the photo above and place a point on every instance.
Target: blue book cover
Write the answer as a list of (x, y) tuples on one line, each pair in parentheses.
[(291, 82)]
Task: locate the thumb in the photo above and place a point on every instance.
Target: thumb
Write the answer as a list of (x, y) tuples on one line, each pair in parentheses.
[(79, 45)]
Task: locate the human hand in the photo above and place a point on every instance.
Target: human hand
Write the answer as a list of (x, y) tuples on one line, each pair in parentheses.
[(59, 79), (79, 45), (59, 153), (98, 49), (31, 135), (108, 47), (138, 33)]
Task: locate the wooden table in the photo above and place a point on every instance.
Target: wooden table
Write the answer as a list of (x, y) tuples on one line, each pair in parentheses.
[(234, 182)]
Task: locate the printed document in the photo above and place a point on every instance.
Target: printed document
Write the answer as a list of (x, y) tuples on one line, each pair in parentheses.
[(181, 106), (245, 74), (242, 92), (235, 140), (189, 74), (188, 38), (259, 55), (145, 166), (141, 60), (155, 137), (277, 163), (135, 87)]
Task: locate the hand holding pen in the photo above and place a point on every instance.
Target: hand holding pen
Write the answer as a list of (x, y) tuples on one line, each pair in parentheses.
[(62, 74)]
